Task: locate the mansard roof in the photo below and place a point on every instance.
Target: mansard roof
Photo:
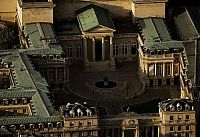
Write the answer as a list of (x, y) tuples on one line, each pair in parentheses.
[(155, 34), (28, 83), (93, 16), (177, 105), (72, 110)]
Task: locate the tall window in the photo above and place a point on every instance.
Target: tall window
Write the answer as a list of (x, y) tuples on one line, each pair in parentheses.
[(125, 48), (159, 69), (133, 47), (167, 69), (79, 51), (187, 127), (60, 73), (115, 49), (151, 69), (69, 51), (171, 128)]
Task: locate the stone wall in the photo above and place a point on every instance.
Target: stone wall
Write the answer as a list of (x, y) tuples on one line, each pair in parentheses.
[(143, 10), (8, 10), (65, 9), (33, 15)]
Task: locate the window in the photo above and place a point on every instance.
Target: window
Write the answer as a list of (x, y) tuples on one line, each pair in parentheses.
[(89, 123), (24, 101), (15, 101), (69, 51), (71, 125), (158, 69), (151, 69), (179, 117), (15, 110), (79, 51), (179, 135), (187, 134), (179, 128), (24, 110), (60, 73), (171, 128), (171, 117), (187, 117), (167, 69), (115, 49), (51, 74), (5, 101), (89, 133), (125, 49), (80, 125), (71, 134), (187, 127), (81, 134), (133, 48)]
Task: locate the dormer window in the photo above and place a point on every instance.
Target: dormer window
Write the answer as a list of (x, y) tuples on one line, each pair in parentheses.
[(41, 126), (80, 113), (24, 101), (187, 107), (5, 101), (179, 107), (14, 101), (89, 112), (172, 108), (71, 113)]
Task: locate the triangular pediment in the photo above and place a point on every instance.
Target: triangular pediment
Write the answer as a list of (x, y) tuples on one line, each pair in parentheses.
[(101, 29)]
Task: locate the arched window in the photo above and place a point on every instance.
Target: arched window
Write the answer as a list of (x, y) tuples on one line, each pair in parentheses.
[(69, 50), (133, 48), (125, 48), (115, 49), (79, 51)]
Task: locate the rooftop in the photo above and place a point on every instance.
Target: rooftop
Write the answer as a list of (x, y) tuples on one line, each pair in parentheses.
[(42, 39), (177, 104), (156, 36), (92, 16)]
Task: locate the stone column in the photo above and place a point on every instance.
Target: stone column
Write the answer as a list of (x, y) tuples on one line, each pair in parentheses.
[(147, 69), (158, 131), (103, 48), (172, 69), (152, 131), (163, 69), (155, 69), (93, 49), (85, 48), (111, 47), (137, 132), (123, 133)]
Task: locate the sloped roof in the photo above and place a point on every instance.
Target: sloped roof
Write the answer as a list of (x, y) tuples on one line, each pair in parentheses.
[(185, 24), (156, 36), (93, 16), (164, 45), (27, 120), (42, 39)]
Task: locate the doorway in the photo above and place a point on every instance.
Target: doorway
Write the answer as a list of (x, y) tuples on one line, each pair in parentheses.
[(98, 50)]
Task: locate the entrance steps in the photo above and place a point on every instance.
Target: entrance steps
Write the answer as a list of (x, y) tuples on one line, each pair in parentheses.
[(100, 66)]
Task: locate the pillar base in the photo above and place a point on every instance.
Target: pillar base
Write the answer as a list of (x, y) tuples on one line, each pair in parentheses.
[(86, 65)]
